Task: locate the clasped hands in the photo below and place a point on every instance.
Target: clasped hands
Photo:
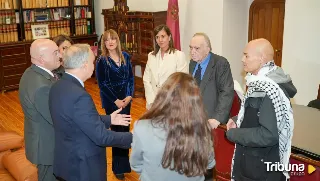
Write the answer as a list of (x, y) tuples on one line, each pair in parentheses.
[(215, 123), (123, 103)]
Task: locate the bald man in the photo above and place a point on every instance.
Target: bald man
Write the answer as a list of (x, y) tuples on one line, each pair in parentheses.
[(34, 94), (263, 129)]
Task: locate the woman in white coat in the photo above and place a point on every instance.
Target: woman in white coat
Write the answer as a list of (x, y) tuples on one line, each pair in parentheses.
[(163, 61)]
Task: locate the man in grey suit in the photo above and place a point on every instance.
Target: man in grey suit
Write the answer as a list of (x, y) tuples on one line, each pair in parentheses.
[(214, 77), (34, 95), (213, 74)]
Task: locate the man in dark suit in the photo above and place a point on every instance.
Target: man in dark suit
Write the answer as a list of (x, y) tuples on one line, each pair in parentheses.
[(214, 77), (81, 134), (34, 94)]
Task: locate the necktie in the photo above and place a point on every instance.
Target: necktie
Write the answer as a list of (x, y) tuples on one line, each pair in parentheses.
[(197, 75), (55, 76)]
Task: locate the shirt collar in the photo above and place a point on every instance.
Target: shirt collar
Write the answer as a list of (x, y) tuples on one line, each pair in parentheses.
[(76, 78), (49, 72), (206, 60)]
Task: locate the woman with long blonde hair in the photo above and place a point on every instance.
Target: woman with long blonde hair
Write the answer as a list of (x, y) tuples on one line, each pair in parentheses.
[(172, 140), (115, 79)]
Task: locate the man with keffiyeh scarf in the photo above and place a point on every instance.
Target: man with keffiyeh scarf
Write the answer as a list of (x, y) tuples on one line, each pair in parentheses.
[(264, 126)]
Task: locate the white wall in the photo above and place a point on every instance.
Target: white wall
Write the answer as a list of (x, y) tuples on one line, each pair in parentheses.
[(140, 5), (159, 5), (196, 17), (301, 47), (235, 34), (98, 6)]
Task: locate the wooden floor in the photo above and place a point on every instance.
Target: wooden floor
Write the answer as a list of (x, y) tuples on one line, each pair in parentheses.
[(11, 118)]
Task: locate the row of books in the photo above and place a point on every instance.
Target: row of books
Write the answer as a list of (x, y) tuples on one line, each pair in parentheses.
[(8, 4), (46, 15), (81, 2), (83, 27), (44, 3), (8, 33), (9, 17), (55, 28), (83, 12)]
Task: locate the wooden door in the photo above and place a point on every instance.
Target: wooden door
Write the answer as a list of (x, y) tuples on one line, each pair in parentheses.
[(266, 20)]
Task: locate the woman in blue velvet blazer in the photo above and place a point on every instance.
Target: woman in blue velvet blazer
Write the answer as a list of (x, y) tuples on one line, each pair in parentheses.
[(115, 79)]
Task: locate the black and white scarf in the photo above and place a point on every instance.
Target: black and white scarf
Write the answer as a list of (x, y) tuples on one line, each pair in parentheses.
[(282, 107)]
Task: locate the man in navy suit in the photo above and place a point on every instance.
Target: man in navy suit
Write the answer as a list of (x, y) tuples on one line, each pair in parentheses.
[(81, 134)]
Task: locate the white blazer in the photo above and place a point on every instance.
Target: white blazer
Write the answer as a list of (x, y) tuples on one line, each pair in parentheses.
[(158, 70)]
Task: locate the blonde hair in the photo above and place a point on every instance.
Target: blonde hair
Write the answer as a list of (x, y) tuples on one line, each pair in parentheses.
[(113, 35)]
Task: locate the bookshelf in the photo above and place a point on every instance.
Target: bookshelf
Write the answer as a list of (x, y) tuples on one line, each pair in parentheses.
[(135, 30), (74, 18)]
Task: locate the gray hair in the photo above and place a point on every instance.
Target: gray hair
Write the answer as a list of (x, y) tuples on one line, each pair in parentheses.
[(206, 38), (76, 56)]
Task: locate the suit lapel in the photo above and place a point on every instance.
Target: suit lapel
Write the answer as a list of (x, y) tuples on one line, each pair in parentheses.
[(42, 72), (208, 73), (192, 65)]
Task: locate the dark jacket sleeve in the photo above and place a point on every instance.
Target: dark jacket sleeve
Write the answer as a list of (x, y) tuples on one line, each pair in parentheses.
[(225, 87), (90, 122), (107, 120), (130, 86), (264, 135), (102, 74), (41, 101)]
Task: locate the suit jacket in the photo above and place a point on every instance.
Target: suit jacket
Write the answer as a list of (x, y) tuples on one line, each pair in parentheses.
[(158, 70), (38, 129), (81, 134), (217, 87)]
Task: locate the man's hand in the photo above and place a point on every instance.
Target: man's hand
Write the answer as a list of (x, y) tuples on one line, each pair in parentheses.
[(213, 123), (231, 124), (120, 119), (119, 103), (126, 101)]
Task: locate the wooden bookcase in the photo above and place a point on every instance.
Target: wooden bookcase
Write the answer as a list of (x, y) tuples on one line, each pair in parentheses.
[(74, 18), (135, 29)]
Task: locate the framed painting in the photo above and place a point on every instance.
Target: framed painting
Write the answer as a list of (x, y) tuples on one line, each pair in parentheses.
[(40, 31)]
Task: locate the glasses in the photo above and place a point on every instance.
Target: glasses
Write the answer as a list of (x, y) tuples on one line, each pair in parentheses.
[(56, 53), (65, 47)]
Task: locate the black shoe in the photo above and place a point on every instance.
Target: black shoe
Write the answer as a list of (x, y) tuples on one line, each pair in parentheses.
[(120, 176)]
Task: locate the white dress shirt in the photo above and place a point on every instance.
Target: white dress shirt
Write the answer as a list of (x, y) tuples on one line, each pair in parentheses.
[(49, 72), (77, 79)]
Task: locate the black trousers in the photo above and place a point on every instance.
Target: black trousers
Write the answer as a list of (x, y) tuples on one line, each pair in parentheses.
[(120, 157)]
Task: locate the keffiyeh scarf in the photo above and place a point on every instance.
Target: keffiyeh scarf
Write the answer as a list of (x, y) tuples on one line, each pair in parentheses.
[(282, 107)]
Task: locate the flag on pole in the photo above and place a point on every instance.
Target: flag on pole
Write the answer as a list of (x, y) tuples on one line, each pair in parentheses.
[(173, 22)]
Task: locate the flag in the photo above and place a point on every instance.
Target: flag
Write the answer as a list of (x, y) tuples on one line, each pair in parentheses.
[(173, 22)]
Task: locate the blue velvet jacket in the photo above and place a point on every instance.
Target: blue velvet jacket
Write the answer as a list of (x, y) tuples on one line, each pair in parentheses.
[(114, 82)]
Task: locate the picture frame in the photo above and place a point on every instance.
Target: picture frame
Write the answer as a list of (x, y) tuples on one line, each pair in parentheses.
[(40, 31)]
